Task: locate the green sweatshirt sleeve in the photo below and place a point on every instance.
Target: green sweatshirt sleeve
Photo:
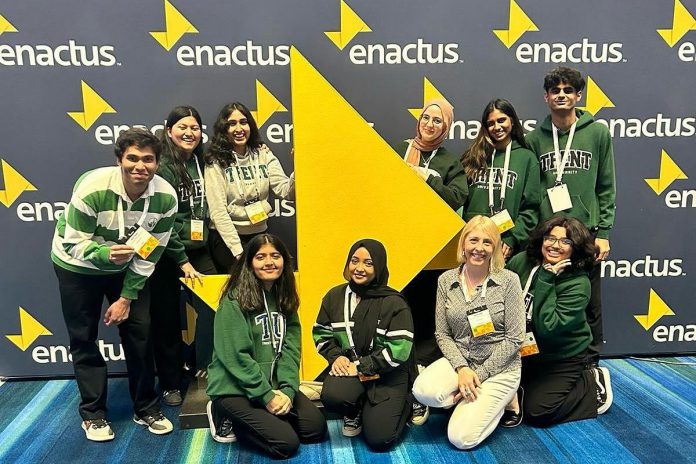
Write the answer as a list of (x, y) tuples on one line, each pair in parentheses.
[(453, 187), (559, 307), (235, 350), (528, 215), (393, 342), (289, 363), (606, 185), (175, 248)]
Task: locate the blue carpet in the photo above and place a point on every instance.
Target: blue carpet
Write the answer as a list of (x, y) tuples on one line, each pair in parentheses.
[(653, 419)]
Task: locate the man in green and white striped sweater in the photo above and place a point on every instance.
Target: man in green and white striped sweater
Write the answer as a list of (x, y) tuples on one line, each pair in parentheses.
[(106, 244)]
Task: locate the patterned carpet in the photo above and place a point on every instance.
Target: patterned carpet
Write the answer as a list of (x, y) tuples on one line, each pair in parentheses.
[(653, 420)]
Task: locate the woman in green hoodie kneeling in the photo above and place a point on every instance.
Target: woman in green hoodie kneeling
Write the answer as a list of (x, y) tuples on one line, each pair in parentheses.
[(253, 379)]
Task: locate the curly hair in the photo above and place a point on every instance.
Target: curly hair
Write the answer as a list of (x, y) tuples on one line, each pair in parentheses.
[(564, 74), (584, 249), (220, 150)]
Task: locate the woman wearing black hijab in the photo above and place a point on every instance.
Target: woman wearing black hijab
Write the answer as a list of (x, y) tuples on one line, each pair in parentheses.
[(365, 331)]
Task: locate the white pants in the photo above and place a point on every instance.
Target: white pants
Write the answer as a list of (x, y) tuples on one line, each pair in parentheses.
[(472, 422)]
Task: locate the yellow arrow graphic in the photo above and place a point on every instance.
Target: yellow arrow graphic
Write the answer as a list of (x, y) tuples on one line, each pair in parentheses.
[(682, 22), (266, 104), (518, 24), (430, 92), (669, 172), (30, 329), (175, 26), (15, 185), (6, 26), (93, 107), (595, 98), (656, 309), (351, 25)]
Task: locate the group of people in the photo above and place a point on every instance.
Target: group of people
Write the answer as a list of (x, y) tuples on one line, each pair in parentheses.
[(513, 333)]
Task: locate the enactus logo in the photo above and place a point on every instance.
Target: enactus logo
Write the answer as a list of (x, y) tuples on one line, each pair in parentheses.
[(582, 51), (418, 52), (247, 53), (657, 309), (682, 22), (68, 54)]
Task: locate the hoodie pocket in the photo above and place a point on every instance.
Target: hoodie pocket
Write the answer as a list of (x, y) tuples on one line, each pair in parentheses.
[(579, 210)]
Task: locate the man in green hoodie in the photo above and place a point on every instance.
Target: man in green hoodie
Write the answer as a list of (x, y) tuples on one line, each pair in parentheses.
[(576, 158)]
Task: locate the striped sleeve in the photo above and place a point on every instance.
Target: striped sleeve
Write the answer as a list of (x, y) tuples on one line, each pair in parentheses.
[(79, 224), (393, 342), (324, 337)]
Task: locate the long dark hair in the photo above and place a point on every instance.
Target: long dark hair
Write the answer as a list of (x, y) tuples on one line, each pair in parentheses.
[(584, 249), (220, 150), (475, 158), (246, 288), (172, 153)]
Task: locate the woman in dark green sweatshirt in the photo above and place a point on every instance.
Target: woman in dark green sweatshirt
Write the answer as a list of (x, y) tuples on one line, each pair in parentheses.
[(253, 380), (503, 176), (554, 272)]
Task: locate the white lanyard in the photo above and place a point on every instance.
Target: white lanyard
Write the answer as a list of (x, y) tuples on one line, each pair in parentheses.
[(503, 184), (464, 285), (277, 344), (560, 163), (347, 306), (528, 285), (427, 163), (122, 220), (256, 175), (191, 194)]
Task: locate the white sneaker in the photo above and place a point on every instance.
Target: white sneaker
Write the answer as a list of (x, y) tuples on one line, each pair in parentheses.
[(97, 430), (419, 413), (605, 395), (222, 434), (156, 423)]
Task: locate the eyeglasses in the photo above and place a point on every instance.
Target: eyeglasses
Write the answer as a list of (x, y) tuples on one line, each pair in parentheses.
[(551, 240), (426, 119), (568, 90)]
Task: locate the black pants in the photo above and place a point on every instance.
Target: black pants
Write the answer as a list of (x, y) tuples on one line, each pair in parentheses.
[(593, 313), (165, 314), (221, 254), (278, 436), (420, 294), (383, 422), (82, 296), (558, 391)]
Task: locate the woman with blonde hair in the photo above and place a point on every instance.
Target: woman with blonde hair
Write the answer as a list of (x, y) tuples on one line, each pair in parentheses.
[(479, 326)]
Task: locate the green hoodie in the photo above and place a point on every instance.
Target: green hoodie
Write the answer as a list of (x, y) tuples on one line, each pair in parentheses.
[(243, 354), (589, 173), (521, 195), (558, 313), (450, 183), (181, 232)]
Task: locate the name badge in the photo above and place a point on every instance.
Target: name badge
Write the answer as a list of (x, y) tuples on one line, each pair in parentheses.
[(480, 321), (529, 345), (142, 242), (255, 212), (197, 230), (503, 220), (559, 198)]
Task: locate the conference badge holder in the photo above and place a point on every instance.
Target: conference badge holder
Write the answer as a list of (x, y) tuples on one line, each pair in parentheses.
[(353, 356), (480, 321), (255, 212), (503, 220), (197, 230), (559, 197), (141, 241), (529, 345)]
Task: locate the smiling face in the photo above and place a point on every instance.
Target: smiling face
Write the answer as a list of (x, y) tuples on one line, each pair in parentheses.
[(138, 167), (185, 134), (478, 248), (238, 131), (556, 246), (360, 267), (431, 123), (268, 264), (499, 127), (562, 97)]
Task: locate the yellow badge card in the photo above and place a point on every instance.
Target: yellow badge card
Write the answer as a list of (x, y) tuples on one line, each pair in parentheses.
[(480, 321), (196, 230), (529, 345), (255, 212), (503, 221), (142, 242)]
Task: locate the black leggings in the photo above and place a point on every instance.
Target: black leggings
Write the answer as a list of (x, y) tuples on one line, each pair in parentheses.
[(278, 436)]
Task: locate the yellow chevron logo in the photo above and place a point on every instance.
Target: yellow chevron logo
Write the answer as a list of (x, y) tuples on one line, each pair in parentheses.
[(189, 335), (6, 26), (429, 92), (595, 98), (30, 329), (209, 291), (15, 184), (266, 104), (656, 309), (669, 172), (682, 22), (175, 26), (93, 106), (518, 24), (351, 25)]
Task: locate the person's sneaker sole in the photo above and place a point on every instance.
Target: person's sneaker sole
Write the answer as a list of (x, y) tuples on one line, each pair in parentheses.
[(607, 387), (173, 399), (421, 420), (211, 425), (352, 432), (165, 431), (96, 437)]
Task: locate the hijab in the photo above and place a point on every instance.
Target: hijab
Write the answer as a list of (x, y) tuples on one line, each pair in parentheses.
[(377, 287), (419, 145)]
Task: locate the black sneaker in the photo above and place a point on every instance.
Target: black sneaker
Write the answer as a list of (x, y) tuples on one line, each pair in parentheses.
[(419, 413), (352, 426), (221, 433), (172, 397), (156, 423), (605, 395), (511, 418)]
